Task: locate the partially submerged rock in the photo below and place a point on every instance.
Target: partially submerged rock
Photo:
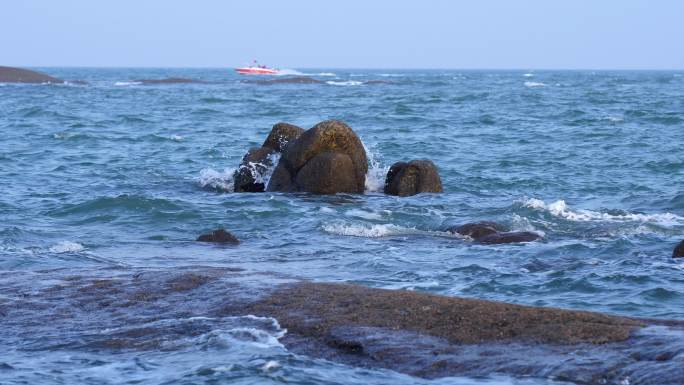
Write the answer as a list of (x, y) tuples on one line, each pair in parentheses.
[(488, 232), (250, 176), (326, 159), (415, 177), (20, 75), (219, 236), (678, 251)]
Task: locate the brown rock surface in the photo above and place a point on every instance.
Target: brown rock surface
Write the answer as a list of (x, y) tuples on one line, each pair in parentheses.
[(415, 177), (20, 75)]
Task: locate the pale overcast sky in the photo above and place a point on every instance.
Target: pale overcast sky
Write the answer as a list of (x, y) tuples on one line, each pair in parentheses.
[(526, 34)]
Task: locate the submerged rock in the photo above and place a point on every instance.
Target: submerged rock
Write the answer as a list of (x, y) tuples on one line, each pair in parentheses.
[(488, 232), (218, 236), (326, 159), (415, 177), (20, 75), (678, 251), (415, 333)]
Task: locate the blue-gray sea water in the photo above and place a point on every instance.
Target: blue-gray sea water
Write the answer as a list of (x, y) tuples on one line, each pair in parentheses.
[(114, 178)]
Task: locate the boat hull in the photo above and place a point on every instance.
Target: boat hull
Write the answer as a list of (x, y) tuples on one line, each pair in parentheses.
[(256, 71)]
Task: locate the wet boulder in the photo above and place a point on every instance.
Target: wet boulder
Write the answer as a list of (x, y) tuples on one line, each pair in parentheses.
[(281, 135), (678, 251), (326, 159), (249, 176), (415, 177), (219, 236), (487, 232)]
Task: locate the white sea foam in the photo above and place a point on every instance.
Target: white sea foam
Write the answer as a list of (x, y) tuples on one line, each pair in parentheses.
[(560, 209), (219, 180), (528, 75), (67, 247), (375, 177), (290, 72), (614, 119), (368, 230), (176, 138), (344, 83), (534, 84), (123, 84), (363, 214)]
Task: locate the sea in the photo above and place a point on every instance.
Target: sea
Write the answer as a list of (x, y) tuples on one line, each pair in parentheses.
[(115, 178)]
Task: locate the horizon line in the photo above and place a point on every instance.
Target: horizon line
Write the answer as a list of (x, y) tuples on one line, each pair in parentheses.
[(363, 68)]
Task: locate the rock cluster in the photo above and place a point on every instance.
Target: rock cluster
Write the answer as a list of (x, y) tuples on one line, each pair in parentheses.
[(326, 159), (219, 236)]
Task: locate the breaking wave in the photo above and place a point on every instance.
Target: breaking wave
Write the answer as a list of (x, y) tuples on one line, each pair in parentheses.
[(344, 83), (561, 209), (535, 84), (67, 247), (368, 230), (124, 84), (217, 180)]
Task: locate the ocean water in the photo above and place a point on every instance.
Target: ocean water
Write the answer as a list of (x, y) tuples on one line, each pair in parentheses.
[(117, 179)]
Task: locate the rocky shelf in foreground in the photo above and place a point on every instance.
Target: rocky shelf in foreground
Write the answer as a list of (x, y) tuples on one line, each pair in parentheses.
[(415, 333)]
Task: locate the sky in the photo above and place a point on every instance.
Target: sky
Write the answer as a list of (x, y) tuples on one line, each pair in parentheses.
[(478, 34)]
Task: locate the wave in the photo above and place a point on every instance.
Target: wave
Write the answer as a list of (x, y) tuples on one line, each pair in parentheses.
[(368, 230), (288, 72), (370, 215), (528, 75), (344, 83), (124, 84), (67, 247), (217, 180), (560, 209), (535, 84)]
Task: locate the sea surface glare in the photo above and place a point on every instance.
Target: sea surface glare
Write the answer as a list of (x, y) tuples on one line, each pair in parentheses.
[(116, 178)]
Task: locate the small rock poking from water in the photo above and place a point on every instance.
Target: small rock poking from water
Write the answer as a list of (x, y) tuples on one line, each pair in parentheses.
[(415, 177), (326, 159), (249, 176), (487, 232), (20, 75), (219, 236), (678, 250)]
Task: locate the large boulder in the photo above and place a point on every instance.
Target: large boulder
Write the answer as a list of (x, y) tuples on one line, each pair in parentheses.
[(490, 233), (678, 251), (19, 75), (250, 176), (415, 177), (281, 135), (326, 159)]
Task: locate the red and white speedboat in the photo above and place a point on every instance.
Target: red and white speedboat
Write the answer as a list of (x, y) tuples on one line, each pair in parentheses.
[(256, 69)]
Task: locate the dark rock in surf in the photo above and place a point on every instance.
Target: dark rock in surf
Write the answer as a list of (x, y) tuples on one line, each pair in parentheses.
[(678, 251), (219, 236), (281, 135), (508, 237), (290, 80), (19, 75), (326, 159), (487, 232), (249, 176), (415, 177)]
